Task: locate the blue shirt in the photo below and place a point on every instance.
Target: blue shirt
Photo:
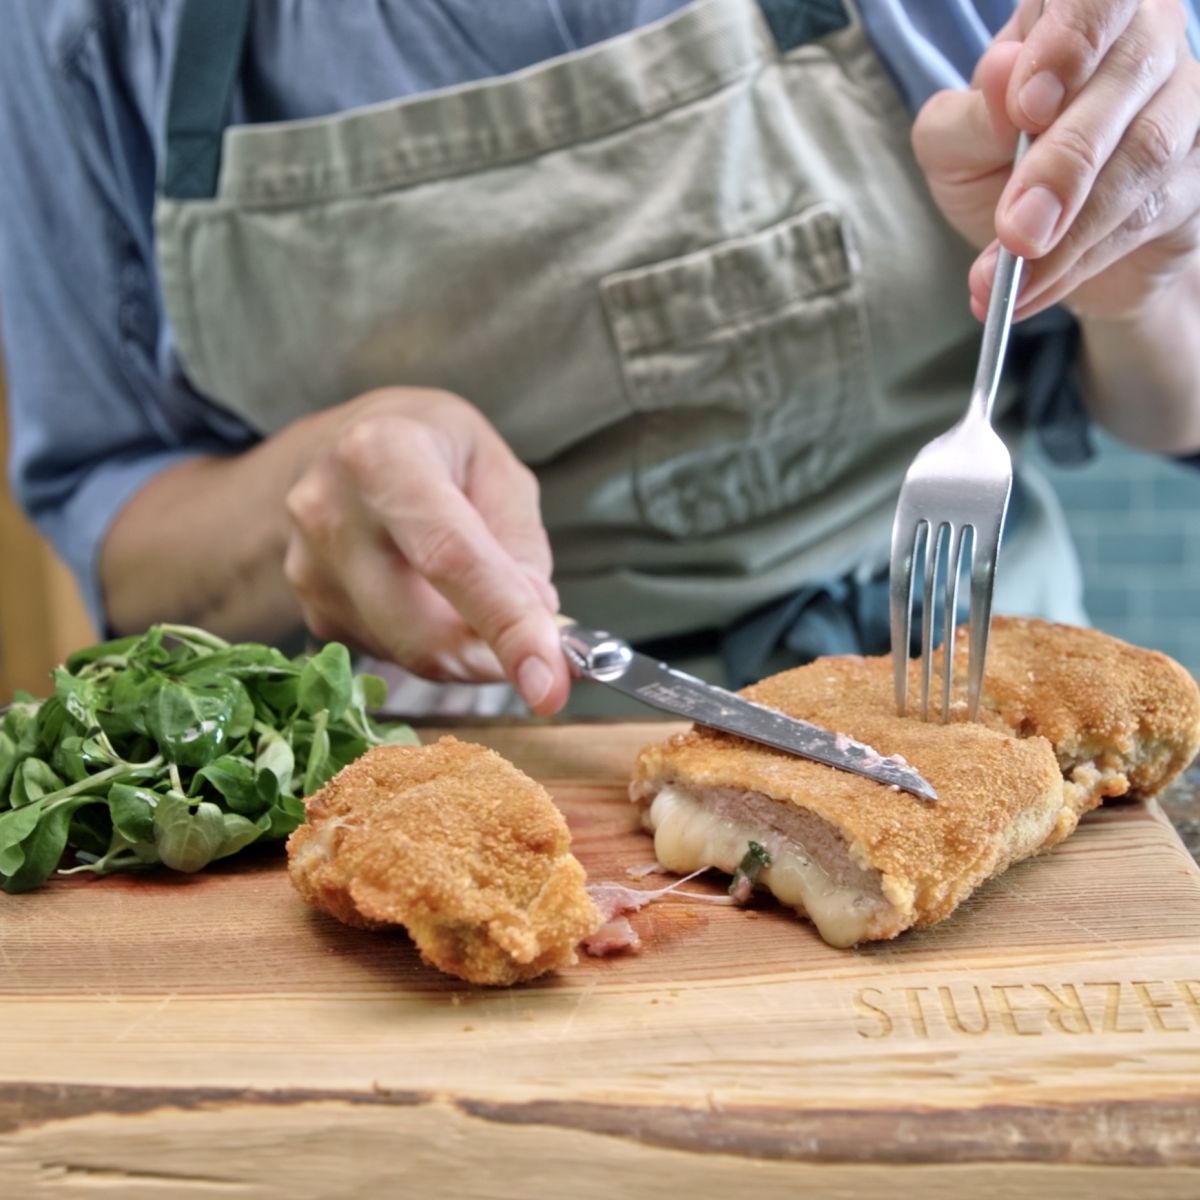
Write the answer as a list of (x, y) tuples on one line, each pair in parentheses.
[(99, 401)]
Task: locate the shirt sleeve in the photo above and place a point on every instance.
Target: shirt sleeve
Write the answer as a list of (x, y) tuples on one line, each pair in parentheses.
[(93, 410)]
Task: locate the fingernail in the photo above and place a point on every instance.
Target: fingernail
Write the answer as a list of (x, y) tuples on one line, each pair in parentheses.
[(987, 268), (534, 681), (1035, 215), (480, 661), (1041, 97)]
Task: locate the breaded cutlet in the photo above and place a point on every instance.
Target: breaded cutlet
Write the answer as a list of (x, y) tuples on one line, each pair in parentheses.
[(1070, 716), (456, 844), (1122, 720)]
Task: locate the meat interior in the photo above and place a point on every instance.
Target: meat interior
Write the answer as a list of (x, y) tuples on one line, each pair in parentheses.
[(811, 870)]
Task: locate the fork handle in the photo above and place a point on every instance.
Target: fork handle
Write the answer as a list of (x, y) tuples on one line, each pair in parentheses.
[(1005, 285)]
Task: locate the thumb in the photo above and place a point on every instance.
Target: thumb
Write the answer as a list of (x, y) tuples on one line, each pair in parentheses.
[(957, 139)]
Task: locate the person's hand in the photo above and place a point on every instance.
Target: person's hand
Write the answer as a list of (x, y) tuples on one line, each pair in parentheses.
[(416, 536), (1106, 202)]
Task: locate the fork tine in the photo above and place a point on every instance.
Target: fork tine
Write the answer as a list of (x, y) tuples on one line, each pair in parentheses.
[(950, 617), (933, 553), (905, 536), (983, 582)]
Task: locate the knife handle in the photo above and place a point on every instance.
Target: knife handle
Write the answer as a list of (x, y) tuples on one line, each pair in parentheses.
[(593, 653)]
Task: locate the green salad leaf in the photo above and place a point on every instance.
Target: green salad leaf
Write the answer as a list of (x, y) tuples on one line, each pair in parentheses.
[(175, 747)]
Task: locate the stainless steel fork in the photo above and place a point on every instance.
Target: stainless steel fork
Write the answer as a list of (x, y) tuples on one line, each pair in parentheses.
[(959, 481)]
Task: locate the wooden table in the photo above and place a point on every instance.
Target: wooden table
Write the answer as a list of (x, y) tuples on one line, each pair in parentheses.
[(209, 1037)]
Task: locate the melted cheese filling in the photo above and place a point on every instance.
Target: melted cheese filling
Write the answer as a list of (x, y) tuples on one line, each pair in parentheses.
[(689, 835), (319, 849)]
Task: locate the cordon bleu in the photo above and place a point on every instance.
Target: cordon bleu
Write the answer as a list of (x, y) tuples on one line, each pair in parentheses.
[(457, 845), (1069, 716)]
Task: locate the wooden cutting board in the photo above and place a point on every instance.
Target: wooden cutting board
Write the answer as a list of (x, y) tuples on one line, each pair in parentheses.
[(208, 1036)]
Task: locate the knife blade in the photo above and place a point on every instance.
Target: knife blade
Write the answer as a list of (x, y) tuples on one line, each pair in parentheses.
[(599, 656)]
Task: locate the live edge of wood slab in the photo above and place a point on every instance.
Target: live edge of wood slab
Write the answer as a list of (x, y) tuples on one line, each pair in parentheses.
[(208, 1036)]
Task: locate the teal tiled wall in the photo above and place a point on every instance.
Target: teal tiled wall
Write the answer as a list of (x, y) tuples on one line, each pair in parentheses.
[(1136, 521)]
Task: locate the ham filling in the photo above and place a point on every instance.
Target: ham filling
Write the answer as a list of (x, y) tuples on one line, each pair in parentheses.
[(613, 900)]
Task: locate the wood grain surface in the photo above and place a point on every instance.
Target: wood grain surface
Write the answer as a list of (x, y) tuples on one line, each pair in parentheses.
[(208, 1036)]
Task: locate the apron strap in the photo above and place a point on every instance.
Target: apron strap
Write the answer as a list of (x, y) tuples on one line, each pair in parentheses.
[(208, 51), (795, 22)]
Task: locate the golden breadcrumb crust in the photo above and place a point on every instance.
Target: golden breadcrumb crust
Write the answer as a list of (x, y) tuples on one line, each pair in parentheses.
[(1001, 797), (1134, 714), (457, 845)]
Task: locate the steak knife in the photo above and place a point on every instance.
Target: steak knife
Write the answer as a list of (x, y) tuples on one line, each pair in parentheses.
[(599, 656)]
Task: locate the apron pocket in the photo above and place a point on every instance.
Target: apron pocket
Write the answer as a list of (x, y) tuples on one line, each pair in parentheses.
[(746, 366)]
